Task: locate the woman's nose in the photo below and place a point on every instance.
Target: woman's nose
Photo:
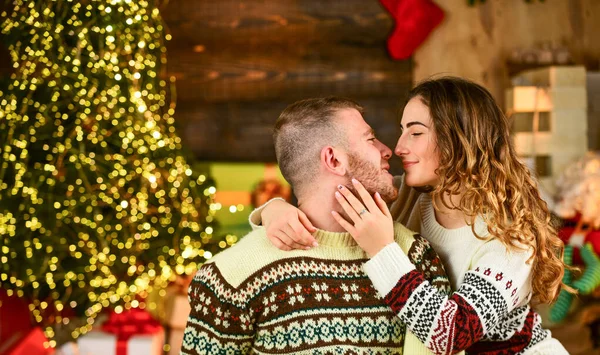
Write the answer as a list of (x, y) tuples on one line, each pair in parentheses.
[(400, 148)]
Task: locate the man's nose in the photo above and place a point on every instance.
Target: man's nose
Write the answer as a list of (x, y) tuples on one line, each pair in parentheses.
[(386, 152)]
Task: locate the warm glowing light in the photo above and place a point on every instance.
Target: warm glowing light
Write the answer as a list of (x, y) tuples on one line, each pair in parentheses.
[(93, 178)]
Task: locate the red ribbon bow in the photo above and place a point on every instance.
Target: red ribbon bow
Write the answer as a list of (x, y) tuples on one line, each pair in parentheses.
[(129, 323)]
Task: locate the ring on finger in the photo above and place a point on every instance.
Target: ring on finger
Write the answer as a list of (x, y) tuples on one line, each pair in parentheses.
[(363, 211)]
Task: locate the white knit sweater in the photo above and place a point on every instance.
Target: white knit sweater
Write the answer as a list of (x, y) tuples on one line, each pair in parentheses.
[(488, 313)]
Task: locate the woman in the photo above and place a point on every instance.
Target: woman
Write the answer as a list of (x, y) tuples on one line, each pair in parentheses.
[(479, 208)]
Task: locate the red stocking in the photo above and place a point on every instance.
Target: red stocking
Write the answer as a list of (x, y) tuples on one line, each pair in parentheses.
[(415, 19)]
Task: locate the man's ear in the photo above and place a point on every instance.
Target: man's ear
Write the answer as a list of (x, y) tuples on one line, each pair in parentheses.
[(333, 160)]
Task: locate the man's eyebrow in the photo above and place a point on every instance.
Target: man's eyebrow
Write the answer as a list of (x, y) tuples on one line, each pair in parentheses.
[(409, 124), (370, 132)]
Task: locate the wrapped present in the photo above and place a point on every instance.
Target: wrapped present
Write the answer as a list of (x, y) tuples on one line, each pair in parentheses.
[(177, 310), (97, 343), (15, 321), (33, 343), (175, 341), (177, 306), (69, 348), (164, 307), (129, 333)]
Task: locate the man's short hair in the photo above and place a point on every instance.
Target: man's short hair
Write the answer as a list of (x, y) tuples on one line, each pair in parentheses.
[(302, 130)]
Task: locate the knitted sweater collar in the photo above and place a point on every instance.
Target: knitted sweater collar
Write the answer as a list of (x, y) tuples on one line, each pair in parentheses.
[(434, 231), (334, 239)]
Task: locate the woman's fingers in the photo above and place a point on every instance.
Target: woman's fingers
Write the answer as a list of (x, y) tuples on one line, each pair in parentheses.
[(306, 222), (365, 196), (350, 211), (277, 239), (293, 239), (382, 205), (352, 200), (345, 224), (301, 233)]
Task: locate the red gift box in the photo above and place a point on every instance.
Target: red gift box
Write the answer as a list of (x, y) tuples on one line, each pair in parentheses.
[(33, 343), (129, 333), (131, 323), (15, 323)]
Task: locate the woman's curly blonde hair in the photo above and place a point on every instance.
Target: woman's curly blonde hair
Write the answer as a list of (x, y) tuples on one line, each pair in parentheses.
[(477, 160)]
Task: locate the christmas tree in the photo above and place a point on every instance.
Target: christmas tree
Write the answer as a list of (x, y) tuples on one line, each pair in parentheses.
[(98, 204)]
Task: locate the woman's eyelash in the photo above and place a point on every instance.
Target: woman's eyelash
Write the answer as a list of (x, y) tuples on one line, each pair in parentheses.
[(417, 134)]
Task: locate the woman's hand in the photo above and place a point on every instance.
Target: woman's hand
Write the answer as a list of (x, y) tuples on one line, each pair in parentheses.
[(372, 225), (287, 227)]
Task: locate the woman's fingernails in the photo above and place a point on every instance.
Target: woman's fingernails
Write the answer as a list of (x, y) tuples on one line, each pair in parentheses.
[(378, 195), (315, 244), (354, 181), (338, 194), (340, 187)]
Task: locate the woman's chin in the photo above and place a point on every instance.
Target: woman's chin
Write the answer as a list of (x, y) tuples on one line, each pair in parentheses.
[(421, 185), (423, 188)]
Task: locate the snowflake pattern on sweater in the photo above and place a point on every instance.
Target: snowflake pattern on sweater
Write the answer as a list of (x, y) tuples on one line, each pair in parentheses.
[(484, 316), (298, 302)]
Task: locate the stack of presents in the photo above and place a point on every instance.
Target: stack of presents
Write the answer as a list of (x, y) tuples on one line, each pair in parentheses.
[(133, 331)]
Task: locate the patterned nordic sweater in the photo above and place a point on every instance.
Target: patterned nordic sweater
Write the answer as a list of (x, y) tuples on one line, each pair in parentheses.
[(255, 298), (488, 314)]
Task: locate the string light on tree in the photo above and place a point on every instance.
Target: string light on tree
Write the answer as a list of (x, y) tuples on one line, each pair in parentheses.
[(98, 204)]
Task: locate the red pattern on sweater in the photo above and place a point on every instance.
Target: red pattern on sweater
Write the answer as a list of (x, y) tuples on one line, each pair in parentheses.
[(458, 310), (470, 329), (515, 344)]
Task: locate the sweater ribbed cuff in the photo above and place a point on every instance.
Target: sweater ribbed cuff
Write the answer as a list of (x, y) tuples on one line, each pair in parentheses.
[(413, 346), (387, 267), (255, 218)]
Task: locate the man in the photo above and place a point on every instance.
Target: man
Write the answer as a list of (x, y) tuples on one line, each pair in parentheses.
[(256, 298)]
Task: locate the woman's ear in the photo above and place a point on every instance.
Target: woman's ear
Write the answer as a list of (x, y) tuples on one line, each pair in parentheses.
[(334, 161)]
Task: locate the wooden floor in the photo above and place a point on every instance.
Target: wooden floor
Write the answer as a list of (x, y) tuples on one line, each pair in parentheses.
[(576, 338), (573, 333)]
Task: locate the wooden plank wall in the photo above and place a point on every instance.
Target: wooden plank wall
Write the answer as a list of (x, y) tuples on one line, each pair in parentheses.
[(238, 64), (477, 41)]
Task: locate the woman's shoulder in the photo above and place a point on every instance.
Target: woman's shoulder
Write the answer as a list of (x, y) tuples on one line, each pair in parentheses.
[(493, 256)]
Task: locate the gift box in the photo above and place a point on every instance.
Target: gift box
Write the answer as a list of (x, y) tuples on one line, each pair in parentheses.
[(175, 341), (69, 348), (33, 343), (15, 320), (177, 310), (177, 306), (129, 333)]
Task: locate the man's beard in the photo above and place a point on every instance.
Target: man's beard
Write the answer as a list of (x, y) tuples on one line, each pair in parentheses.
[(371, 177)]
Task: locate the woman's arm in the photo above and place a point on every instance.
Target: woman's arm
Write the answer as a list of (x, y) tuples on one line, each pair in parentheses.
[(286, 226), (446, 324)]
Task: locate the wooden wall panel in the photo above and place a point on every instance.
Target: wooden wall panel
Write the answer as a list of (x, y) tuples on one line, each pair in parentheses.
[(243, 130), (256, 75), (238, 64), (477, 41)]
